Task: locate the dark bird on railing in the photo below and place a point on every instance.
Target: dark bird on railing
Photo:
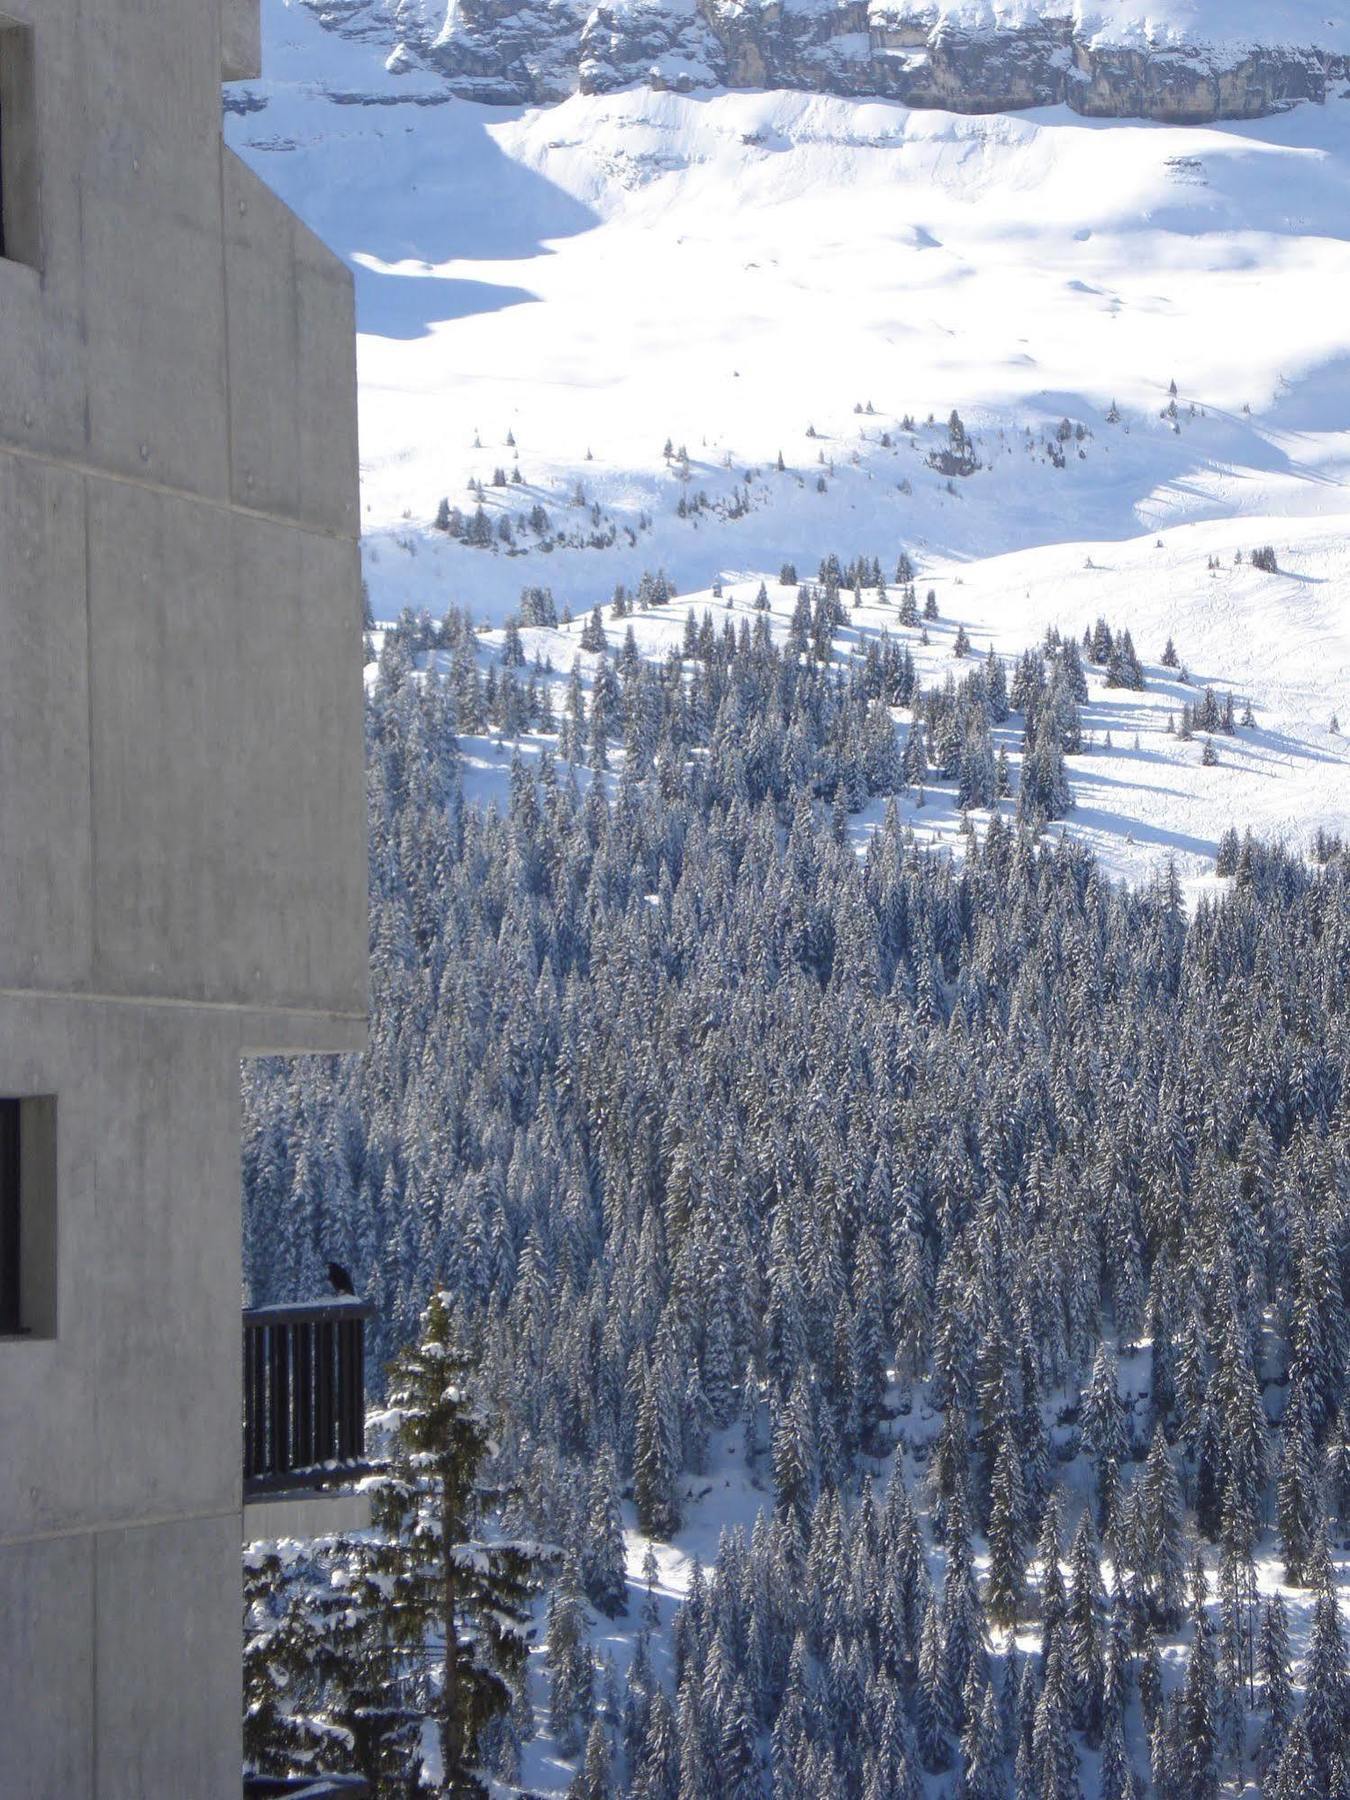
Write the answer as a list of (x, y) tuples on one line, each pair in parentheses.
[(339, 1279)]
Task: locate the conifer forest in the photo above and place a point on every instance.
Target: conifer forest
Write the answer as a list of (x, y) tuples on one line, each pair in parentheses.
[(978, 1227)]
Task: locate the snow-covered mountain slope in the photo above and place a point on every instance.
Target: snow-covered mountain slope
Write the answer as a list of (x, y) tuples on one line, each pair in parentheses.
[(742, 275), (1173, 59), (1277, 643)]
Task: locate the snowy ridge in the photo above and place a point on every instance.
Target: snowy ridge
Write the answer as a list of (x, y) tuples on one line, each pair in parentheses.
[(1224, 25), (1179, 60)]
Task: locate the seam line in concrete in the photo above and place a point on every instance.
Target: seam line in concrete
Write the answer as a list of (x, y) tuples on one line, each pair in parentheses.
[(147, 484), (89, 723), (242, 1008), (131, 1523), (93, 1667), (225, 295)]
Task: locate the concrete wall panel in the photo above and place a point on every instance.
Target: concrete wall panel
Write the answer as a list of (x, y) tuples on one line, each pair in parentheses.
[(228, 785), (293, 408), (47, 1669), (134, 1407), (155, 318), (170, 1613), (307, 769), (330, 456), (43, 363), (240, 40), (264, 344), (166, 721), (158, 1262), (44, 728), (47, 1397)]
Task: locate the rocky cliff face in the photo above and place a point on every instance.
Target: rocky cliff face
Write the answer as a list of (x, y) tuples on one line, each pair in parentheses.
[(532, 51)]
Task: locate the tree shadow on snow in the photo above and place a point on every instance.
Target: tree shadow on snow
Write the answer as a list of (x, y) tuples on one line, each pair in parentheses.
[(1121, 826)]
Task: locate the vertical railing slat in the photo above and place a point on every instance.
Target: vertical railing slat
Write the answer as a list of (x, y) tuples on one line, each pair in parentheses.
[(359, 1388), (247, 1385), (346, 1369), (258, 1360), (327, 1446), (278, 1372), (304, 1393)]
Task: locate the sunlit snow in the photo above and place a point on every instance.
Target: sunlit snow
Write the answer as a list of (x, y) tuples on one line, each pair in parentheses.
[(738, 273)]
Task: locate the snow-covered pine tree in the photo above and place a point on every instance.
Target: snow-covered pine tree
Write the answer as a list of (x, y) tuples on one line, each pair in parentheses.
[(571, 1662), (456, 1600)]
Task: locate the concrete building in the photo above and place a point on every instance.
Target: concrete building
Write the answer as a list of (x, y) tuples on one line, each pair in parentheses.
[(182, 854)]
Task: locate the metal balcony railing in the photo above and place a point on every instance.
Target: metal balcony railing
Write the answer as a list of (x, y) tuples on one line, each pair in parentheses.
[(304, 1395)]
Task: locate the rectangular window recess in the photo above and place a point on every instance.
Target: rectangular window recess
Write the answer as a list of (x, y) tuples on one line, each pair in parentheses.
[(19, 236), (28, 1216)]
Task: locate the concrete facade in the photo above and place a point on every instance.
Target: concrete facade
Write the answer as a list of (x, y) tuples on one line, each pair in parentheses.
[(183, 870)]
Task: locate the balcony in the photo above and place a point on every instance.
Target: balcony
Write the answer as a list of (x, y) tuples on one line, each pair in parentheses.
[(304, 1416)]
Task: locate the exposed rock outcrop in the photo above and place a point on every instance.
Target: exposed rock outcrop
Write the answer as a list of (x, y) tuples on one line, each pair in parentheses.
[(513, 51)]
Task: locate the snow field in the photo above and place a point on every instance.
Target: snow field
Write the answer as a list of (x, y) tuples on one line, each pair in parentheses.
[(743, 275)]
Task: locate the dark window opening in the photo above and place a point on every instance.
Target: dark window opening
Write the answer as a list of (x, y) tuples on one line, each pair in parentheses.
[(11, 1220), (28, 1217), (18, 146)]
